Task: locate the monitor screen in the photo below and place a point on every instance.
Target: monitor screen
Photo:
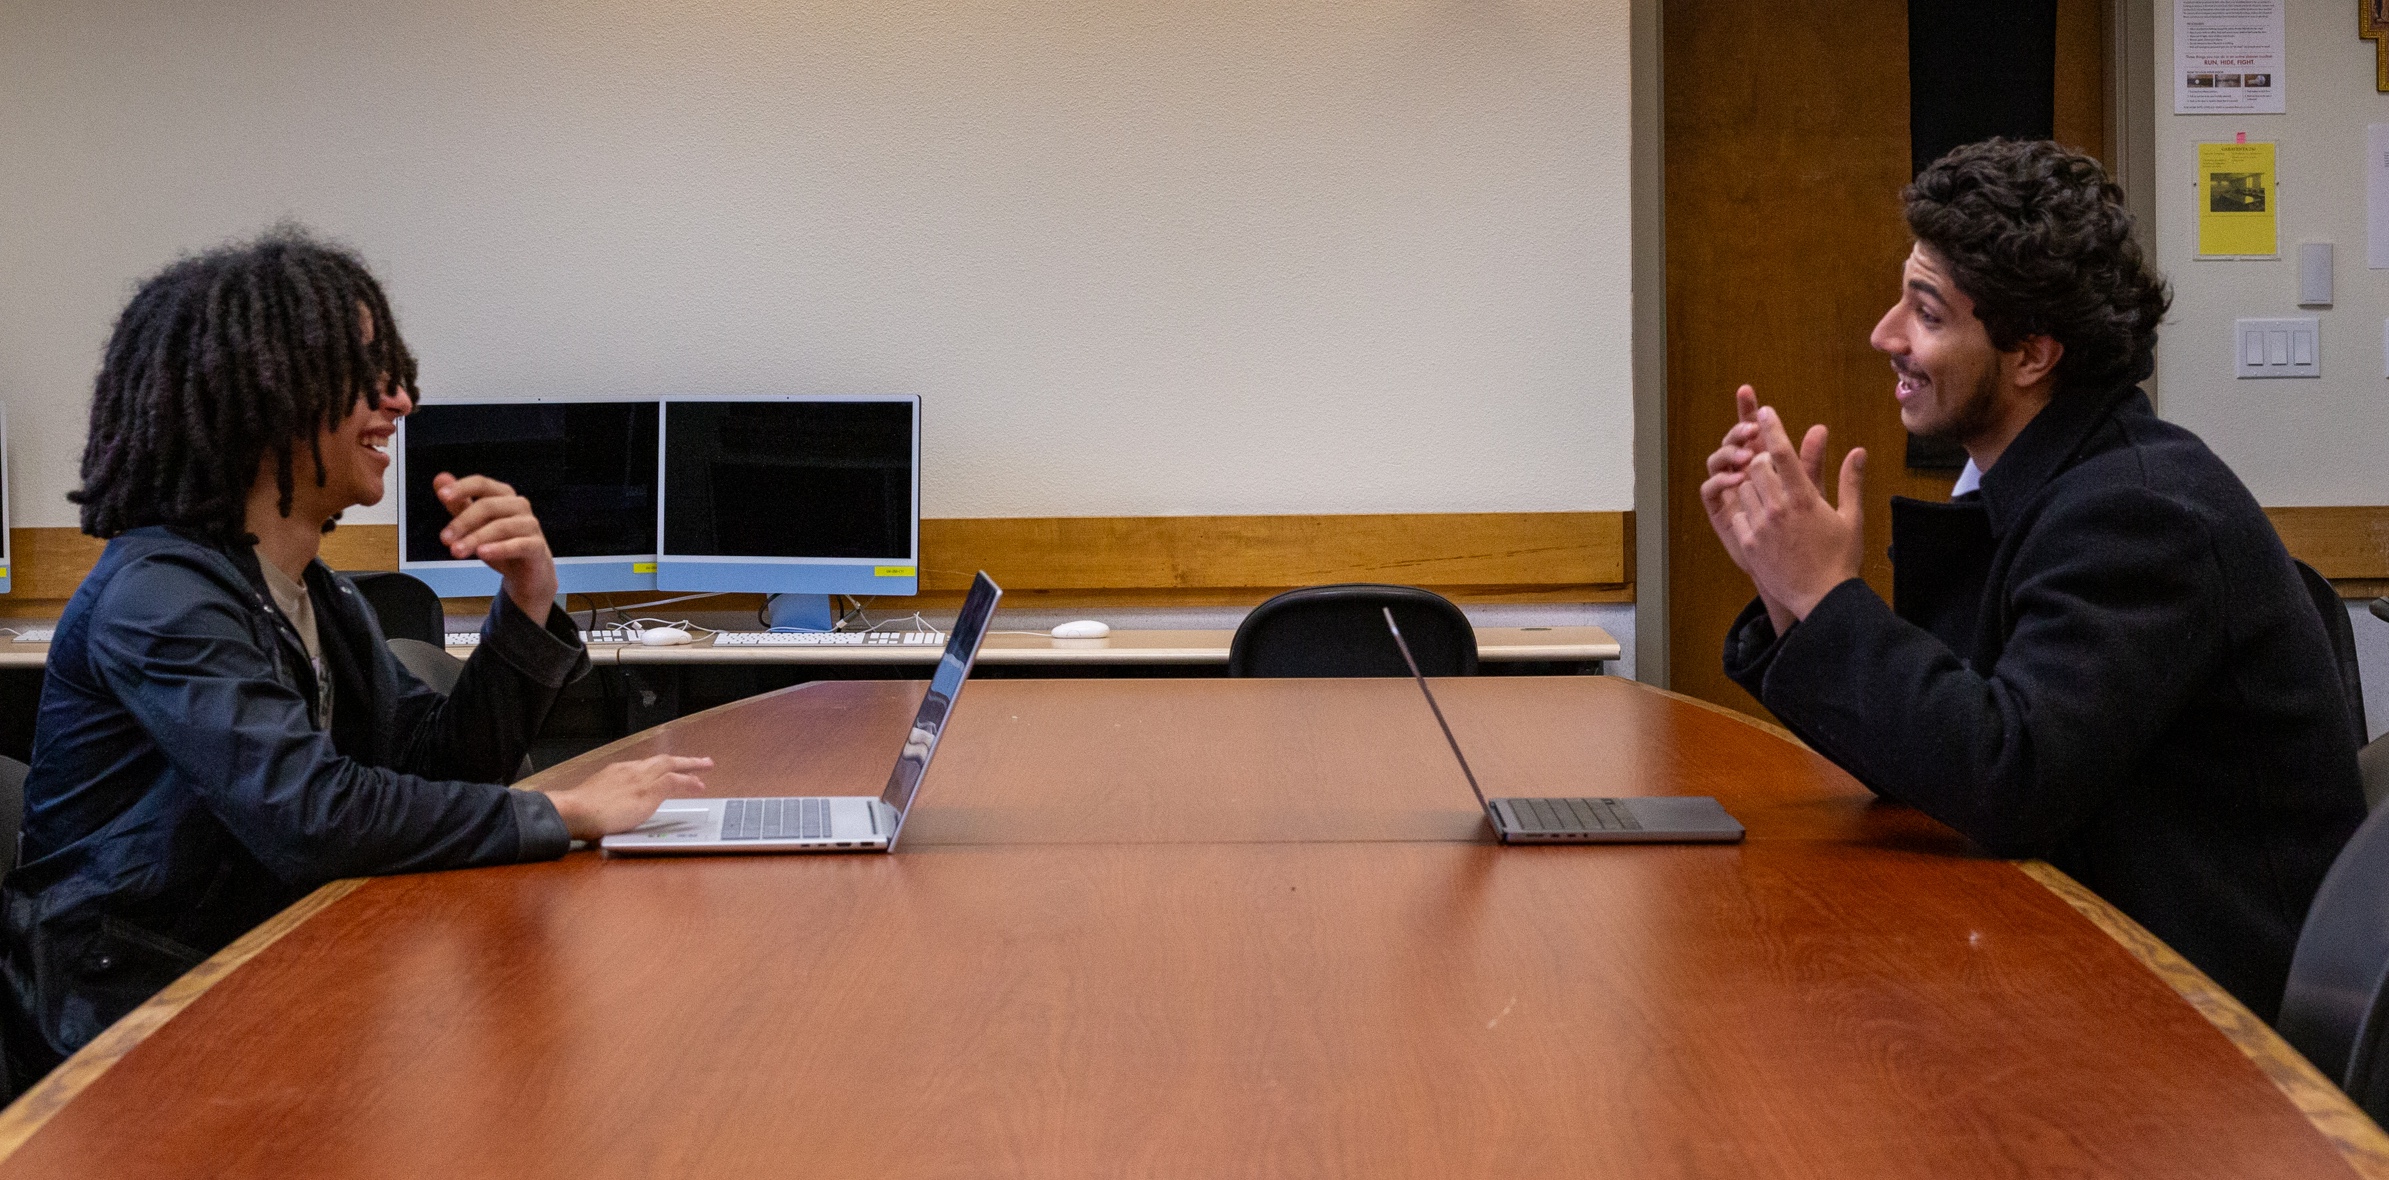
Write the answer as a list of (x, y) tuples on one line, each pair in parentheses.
[(795, 495), (588, 468)]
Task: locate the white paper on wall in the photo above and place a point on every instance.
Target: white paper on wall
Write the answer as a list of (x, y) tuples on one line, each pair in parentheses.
[(2229, 57)]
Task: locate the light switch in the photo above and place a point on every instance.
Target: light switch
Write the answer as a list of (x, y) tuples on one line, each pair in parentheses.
[(2286, 348), (2314, 274)]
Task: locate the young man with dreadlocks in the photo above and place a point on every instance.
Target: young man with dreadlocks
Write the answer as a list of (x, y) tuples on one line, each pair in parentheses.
[(222, 728), (2098, 652)]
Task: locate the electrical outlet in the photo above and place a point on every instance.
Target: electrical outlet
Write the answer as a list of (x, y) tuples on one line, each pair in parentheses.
[(2280, 348)]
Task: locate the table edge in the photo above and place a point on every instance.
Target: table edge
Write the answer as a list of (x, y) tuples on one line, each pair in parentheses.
[(1758, 723), (2360, 1141), (32, 1109)]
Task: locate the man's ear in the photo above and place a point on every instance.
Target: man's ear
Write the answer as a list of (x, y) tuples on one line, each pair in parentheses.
[(2033, 361)]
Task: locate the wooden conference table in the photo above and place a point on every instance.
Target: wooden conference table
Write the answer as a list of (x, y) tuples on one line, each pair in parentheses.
[(1206, 928)]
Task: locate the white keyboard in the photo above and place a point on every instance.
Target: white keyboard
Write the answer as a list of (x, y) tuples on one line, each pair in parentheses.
[(35, 635), (829, 639), (592, 638)]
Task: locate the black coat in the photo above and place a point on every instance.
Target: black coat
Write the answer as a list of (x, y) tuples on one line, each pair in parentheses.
[(181, 792), (2105, 660)]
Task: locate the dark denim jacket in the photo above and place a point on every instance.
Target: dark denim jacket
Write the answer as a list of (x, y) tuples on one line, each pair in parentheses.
[(181, 792)]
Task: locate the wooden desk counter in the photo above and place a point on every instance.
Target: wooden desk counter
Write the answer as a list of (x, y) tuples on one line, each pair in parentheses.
[(1194, 648), (1494, 644), (1198, 928)]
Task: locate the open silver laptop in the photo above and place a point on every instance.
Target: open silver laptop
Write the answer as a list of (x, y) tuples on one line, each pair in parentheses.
[(855, 823), (1649, 819)]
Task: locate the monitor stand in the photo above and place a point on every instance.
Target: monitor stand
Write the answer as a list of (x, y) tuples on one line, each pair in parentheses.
[(800, 612)]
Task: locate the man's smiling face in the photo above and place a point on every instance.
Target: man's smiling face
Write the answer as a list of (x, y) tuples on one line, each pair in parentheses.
[(1948, 370)]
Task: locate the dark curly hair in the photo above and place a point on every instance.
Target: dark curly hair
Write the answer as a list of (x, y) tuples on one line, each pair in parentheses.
[(2039, 238), (221, 359)]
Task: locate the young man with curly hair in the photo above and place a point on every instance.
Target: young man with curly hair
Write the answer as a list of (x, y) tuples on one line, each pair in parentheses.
[(222, 728), (2098, 651)]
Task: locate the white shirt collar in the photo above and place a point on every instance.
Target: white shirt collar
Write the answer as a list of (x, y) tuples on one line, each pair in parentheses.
[(1969, 480)]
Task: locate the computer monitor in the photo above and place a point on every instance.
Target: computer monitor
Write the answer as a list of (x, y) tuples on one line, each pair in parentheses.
[(794, 496), (588, 467)]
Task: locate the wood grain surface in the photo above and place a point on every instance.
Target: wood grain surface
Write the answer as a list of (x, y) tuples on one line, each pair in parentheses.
[(2358, 1138), (1313, 761), (1170, 987), (2348, 544), (1523, 549)]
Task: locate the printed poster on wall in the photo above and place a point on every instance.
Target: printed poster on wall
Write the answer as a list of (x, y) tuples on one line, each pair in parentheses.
[(2238, 201), (2228, 57)]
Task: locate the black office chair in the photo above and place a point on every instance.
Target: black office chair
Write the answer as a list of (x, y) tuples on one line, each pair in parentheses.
[(1340, 631), (12, 805), (2343, 645), (2373, 759), (416, 628), (2336, 1005), (407, 608)]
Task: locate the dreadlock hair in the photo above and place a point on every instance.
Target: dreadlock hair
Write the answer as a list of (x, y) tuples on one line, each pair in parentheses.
[(225, 357)]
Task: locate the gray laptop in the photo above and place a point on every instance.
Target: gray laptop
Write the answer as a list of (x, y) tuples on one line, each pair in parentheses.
[(842, 823), (1649, 819)]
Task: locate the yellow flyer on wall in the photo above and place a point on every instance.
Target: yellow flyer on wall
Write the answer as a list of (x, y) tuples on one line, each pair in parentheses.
[(2237, 199)]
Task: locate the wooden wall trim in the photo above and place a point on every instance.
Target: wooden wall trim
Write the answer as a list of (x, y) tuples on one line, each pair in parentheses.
[(1140, 560), (2345, 543), (1538, 549)]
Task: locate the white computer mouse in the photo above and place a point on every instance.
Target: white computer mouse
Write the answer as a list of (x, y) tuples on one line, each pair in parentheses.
[(665, 637), (1082, 629)]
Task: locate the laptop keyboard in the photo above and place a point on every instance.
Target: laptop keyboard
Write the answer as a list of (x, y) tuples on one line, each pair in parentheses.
[(600, 638), (1573, 815), (35, 635), (829, 639), (776, 819)]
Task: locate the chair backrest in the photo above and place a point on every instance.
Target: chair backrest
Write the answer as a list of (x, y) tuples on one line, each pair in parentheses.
[(430, 663), (407, 608), (439, 671), (2333, 1008), (12, 805), (2343, 643), (2372, 764), (1340, 631)]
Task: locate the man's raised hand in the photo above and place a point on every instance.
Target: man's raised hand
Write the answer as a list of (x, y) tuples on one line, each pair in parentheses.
[(1728, 466), (1794, 545)]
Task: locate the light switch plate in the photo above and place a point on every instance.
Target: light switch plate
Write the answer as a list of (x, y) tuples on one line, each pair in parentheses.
[(2281, 348)]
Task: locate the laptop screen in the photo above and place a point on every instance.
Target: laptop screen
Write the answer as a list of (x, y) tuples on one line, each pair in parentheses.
[(962, 650)]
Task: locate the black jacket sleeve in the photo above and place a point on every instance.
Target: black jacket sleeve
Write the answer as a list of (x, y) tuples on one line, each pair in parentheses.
[(186, 664), (2112, 611)]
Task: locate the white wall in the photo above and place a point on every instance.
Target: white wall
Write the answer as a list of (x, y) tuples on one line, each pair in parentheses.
[(2294, 442), (1139, 258)]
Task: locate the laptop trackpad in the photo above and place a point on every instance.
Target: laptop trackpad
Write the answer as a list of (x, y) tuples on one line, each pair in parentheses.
[(677, 823)]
